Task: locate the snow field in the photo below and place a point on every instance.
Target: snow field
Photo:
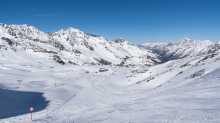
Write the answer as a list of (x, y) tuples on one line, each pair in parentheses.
[(114, 96)]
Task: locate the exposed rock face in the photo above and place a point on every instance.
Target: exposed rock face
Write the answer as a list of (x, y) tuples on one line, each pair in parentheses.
[(103, 70), (197, 74), (58, 60), (119, 40), (7, 40), (103, 62)]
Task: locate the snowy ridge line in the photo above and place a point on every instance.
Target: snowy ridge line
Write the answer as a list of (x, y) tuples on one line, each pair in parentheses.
[(72, 46), (184, 48)]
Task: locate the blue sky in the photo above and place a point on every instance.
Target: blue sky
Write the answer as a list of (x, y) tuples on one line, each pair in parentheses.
[(138, 21)]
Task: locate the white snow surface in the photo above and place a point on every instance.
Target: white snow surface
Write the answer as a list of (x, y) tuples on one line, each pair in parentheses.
[(79, 94)]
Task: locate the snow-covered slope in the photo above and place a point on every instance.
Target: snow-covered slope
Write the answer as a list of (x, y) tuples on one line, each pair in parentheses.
[(105, 86), (71, 46), (184, 48), (178, 91)]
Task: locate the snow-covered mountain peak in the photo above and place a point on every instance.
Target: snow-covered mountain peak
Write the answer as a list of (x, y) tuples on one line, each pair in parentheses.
[(187, 41), (190, 42), (184, 48), (154, 44), (68, 33), (120, 40), (3, 25), (23, 27), (25, 31), (19, 25), (69, 30), (186, 38)]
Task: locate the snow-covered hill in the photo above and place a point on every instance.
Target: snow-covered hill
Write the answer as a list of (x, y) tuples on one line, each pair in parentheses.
[(71, 46), (178, 91), (71, 76), (184, 48)]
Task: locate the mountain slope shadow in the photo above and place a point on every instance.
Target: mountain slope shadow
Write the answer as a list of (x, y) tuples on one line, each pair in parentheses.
[(14, 103)]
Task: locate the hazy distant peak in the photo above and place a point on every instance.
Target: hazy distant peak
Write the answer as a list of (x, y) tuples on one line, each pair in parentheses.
[(187, 41), (152, 44), (186, 38)]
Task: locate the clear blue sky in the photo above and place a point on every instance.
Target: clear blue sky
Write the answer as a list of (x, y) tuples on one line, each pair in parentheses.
[(138, 21)]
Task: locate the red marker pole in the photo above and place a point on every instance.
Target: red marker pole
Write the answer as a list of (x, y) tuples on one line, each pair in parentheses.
[(31, 109), (31, 115)]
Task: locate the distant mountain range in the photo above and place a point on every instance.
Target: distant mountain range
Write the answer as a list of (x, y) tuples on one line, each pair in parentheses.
[(184, 48), (72, 46)]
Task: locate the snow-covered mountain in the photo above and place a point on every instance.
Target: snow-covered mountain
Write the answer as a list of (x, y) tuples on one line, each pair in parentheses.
[(185, 90), (184, 48), (71, 46), (178, 91)]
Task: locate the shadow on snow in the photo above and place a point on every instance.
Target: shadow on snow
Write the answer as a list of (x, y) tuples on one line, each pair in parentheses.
[(14, 103)]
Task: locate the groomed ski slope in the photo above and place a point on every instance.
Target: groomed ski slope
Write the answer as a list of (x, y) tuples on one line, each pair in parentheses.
[(80, 94)]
